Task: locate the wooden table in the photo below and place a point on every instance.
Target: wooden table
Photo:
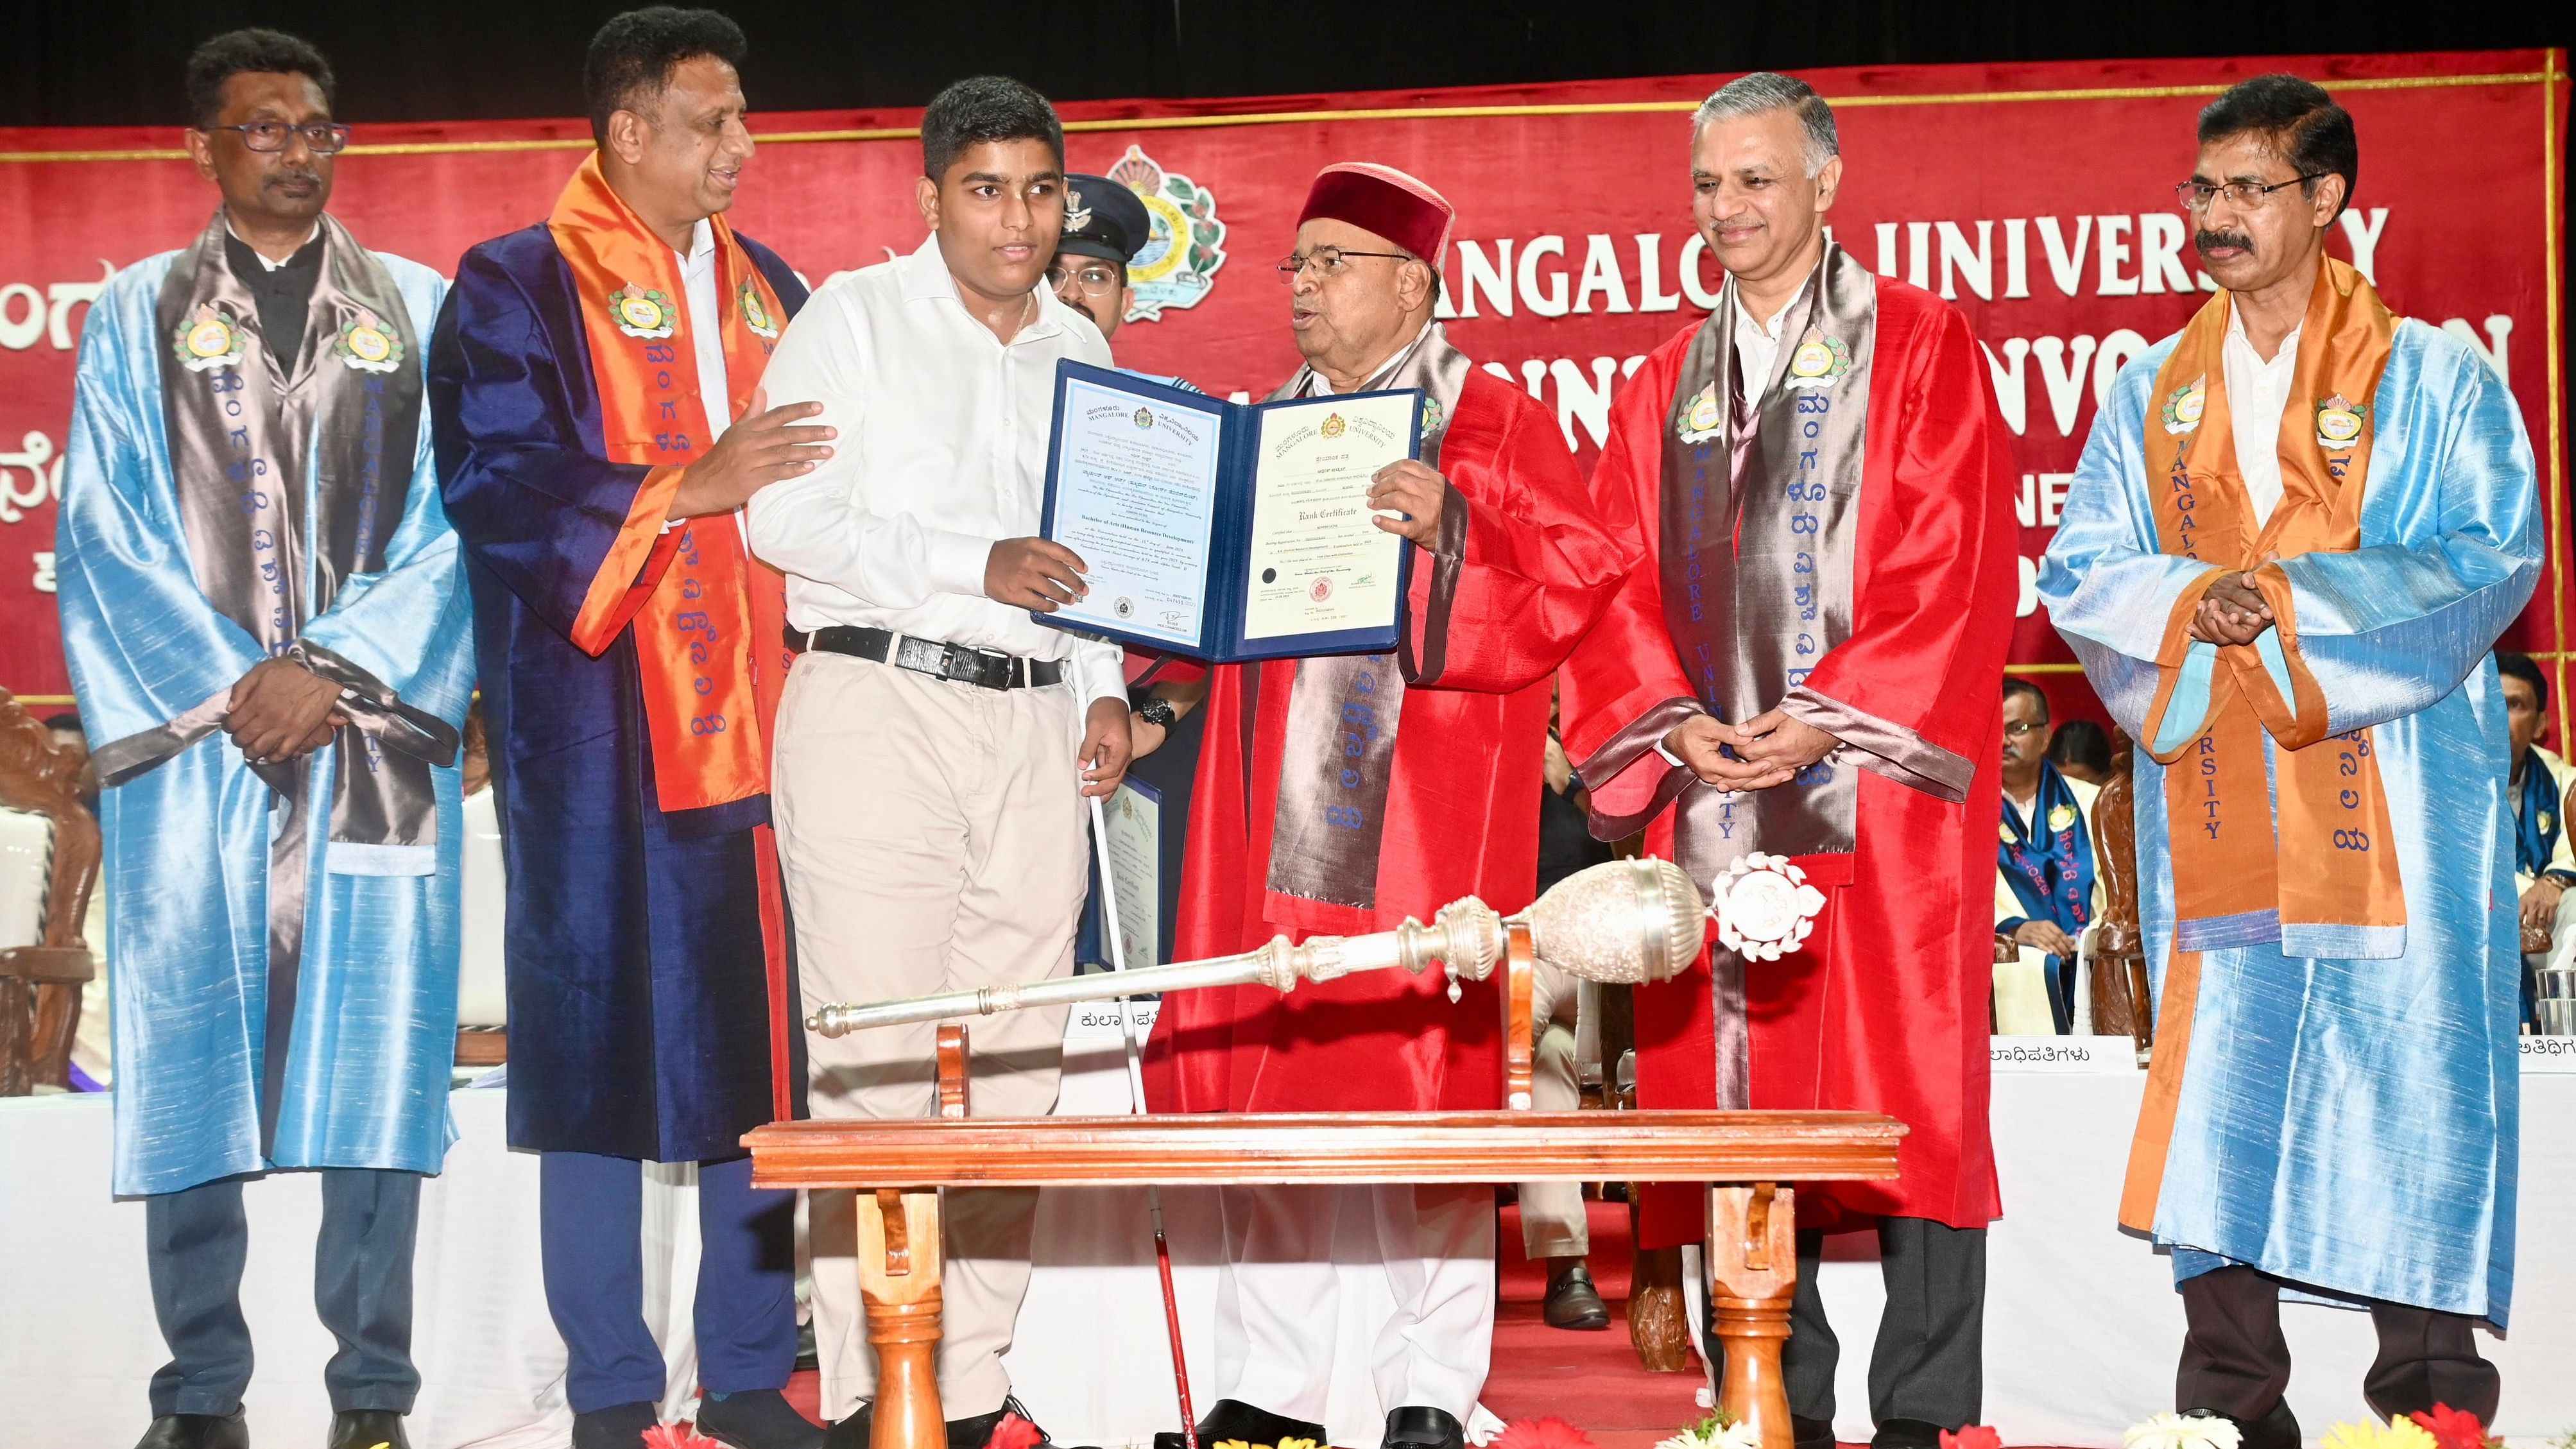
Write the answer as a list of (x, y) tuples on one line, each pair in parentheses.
[(1746, 1157)]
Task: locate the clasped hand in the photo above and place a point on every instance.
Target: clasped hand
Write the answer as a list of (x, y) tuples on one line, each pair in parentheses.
[(281, 710), (1768, 749), (2232, 612)]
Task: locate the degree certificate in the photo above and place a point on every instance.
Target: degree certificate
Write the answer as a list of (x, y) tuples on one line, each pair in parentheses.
[(1319, 562), (1136, 494)]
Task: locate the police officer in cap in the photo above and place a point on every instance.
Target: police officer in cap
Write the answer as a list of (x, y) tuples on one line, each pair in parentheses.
[(1104, 226)]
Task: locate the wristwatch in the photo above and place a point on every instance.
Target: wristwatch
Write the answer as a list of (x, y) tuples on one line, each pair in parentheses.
[(1157, 710)]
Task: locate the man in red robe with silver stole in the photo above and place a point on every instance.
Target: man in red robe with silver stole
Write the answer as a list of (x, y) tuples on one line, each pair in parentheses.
[(1300, 826), (1806, 663)]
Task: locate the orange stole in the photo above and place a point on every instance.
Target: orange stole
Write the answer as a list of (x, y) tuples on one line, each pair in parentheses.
[(710, 621), (2325, 856)]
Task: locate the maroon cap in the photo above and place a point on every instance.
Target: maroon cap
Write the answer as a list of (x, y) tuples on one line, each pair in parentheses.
[(1386, 201)]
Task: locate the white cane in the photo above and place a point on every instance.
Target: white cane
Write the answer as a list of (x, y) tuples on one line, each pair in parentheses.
[(1136, 1092)]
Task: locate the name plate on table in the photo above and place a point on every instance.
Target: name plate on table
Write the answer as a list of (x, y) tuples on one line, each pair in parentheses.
[(2549, 1054), (1227, 531), (2064, 1054), (1098, 1020)]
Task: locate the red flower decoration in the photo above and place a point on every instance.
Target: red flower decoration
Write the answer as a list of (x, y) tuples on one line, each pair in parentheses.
[(1548, 1433), (677, 1436), (2452, 1429), (1015, 1432), (1978, 1436)]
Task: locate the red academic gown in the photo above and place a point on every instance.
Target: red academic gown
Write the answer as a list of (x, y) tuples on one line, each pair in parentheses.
[(1461, 814), (1885, 1008)]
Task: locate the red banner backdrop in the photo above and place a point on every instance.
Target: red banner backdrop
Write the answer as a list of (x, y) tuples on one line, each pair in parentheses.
[(2038, 197)]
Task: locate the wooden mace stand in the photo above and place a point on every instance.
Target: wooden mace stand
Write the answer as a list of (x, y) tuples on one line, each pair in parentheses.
[(1745, 1157)]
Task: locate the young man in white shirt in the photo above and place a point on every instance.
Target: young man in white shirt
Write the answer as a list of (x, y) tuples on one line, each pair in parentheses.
[(935, 743)]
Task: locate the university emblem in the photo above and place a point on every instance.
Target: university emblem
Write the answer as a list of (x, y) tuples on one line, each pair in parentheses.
[(1076, 215), (210, 340), (1703, 419), (2004, 833), (2060, 818), (2182, 410), (1144, 417), (2546, 820), (1819, 361), (755, 312), (1333, 426), (2339, 424), (1180, 260), (642, 312), (1433, 418), (365, 344)]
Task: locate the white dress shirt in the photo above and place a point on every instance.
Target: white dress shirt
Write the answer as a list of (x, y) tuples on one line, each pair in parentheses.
[(2257, 394), (1757, 345), (941, 453), (706, 327)]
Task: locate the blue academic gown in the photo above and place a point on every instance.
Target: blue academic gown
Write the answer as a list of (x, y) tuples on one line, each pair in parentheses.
[(639, 999), (187, 842), (2348, 1125)]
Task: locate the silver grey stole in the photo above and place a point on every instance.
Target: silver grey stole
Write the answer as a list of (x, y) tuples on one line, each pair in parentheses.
[(1343, 709), (270, 550), (1761, 519)]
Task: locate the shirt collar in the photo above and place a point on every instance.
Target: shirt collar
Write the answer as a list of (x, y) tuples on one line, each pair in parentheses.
[(924, 277), (1325, 389), (264, 263), (1770, 330), (702, 246), (2236, 334)]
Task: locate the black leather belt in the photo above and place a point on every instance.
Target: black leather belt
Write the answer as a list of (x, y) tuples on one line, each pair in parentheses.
[(929, 656)]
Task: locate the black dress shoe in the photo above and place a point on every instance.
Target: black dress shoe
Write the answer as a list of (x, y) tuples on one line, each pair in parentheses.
[(1235, 1419), (1811, 1433), (1906, 1434), (619, 1426), (756, 1419), (368, 1429), (1572, 1301), (849, 1433), (2278, 1428), (1415, 1427), (197, 1431)]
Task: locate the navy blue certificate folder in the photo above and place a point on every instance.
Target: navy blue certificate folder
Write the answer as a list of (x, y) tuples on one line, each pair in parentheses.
[(1227, 531)]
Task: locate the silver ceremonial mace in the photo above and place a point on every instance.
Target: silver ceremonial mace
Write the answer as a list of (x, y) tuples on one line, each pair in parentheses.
[(1626, 921)]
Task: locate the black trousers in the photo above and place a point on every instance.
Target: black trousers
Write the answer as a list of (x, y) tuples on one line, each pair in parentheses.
[(2235, 1360), (195, 1241), (1928, 1365)]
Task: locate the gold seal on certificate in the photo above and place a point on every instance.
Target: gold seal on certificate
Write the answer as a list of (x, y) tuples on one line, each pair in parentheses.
[(1227, 531)]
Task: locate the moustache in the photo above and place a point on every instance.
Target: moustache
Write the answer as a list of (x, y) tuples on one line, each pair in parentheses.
[(2208, 239), (294, 178)]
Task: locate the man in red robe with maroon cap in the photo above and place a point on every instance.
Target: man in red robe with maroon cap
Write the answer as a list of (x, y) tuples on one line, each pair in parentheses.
[(1805, 662), (1514, 567)]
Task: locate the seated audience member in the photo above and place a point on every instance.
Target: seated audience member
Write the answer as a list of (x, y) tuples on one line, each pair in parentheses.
[(2081, 750), (1553, 1225), (2045, 895), (2543, 864)]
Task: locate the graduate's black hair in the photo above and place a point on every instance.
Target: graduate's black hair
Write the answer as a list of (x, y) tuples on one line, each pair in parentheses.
[(2522, 667), (633, 55), (980, 109), (240, 52), (2303, 123), (2013, 686), (2080, 742)]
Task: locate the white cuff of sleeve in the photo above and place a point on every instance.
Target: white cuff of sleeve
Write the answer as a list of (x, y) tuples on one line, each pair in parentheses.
[(1100, 673), (954, 562), (1669, 757)]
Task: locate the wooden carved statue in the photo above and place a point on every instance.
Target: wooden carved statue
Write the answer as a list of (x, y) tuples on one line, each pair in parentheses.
[(40, 985), (2121, 1002)]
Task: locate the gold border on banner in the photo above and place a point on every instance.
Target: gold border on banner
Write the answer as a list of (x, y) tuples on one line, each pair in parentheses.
[(2550, 73), (2553, 498)]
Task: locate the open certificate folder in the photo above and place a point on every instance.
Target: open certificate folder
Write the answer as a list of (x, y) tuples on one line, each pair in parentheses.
[(1228, 531)]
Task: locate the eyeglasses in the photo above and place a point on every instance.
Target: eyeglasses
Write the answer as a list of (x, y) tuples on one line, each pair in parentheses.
[(1327, 262), (1097, 279), (2017, 729), (322, 138), (2195, 195)]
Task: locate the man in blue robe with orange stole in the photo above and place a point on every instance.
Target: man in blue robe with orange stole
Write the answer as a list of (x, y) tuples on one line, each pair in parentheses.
[(2297, 528), (267, 629), (1807, 662), (596, 379)]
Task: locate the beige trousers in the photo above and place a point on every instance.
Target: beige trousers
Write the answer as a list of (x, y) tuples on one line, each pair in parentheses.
[(932, 837), (1553, 1224)]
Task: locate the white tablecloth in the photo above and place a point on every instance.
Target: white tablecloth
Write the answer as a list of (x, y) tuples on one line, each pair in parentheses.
[(2081, 1322)]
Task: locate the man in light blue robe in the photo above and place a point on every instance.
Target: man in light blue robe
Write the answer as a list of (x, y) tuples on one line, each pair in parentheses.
[(2334, 1104), (268, 630)]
